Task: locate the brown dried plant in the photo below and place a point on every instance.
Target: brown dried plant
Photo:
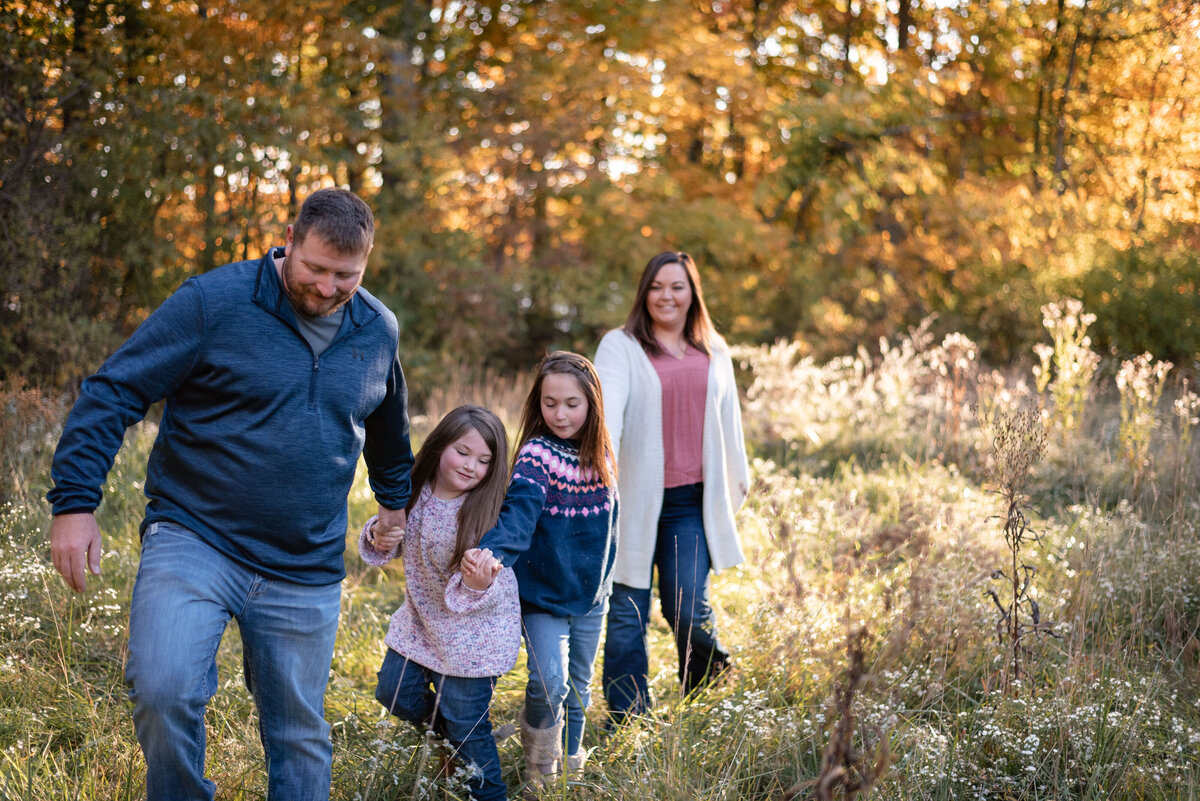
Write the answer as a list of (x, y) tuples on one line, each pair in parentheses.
[(28, 429), (848, 771), (789, 545), (955, 368), (1018, 443), (844, 768)]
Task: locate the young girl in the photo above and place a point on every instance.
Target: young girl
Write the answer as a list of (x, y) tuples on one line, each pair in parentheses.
[(556, 531), (454, 635)]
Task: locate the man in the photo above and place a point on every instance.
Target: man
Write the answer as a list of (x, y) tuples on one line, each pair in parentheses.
[(277, 374)]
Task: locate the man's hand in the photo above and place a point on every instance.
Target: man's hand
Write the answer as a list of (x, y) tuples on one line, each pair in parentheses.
[(389, 519), (75, 547), (385, 540), (479, 569)]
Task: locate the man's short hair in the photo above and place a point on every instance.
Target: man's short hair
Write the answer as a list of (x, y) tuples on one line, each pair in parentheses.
[(339, 217)]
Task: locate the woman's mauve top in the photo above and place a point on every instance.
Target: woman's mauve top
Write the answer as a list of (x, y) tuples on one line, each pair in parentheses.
[(684, 382)]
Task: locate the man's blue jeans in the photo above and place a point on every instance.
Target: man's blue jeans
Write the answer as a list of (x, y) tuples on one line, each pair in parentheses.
[(561, 655), (185, 594), (681, 556), (455, 708)]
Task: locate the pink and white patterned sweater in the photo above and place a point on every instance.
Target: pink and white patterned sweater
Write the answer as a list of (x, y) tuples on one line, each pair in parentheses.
[(444, 625)]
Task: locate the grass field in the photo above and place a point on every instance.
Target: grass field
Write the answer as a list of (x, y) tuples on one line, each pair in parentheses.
[(870, 653)]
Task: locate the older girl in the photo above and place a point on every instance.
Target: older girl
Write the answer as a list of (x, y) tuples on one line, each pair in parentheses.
[(557, 532)]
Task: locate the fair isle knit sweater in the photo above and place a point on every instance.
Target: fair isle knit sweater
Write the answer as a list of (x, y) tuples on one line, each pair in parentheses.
[(443, 624), (557, 530)]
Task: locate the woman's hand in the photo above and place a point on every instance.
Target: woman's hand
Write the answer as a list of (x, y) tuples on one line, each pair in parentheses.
[(479, 569)]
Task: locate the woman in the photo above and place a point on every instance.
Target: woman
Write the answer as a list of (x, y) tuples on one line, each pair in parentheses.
[(672, 409)]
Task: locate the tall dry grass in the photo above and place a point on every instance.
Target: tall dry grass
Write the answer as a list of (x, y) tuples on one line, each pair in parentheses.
[(863, 634)]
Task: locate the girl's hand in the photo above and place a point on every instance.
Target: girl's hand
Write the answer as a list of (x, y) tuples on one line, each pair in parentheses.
[(480, 568), (472, 561), (386, 540)]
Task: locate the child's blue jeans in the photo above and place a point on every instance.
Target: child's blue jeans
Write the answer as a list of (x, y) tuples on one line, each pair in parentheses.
[(561, 653), (456, 708)]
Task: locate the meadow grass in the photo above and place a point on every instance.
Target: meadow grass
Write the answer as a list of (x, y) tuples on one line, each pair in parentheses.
[(872, 531)]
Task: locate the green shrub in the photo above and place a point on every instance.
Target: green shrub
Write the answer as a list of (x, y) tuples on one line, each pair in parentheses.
[(1146, 300)]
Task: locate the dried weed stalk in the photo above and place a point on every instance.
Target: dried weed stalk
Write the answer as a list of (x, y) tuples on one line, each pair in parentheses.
[(955, 368), (1066, 369), (846, 771), (1018, 443), (842, 766), (789, 545), (1140, 381), (1186, 409)]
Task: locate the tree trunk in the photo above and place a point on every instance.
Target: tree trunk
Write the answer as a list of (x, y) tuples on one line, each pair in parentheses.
[(847, 38), (1060, 132), (903, 21), (1147, 151), (75, 103), (294, 171), (400, 91), (1044, 97), (735, 145), (208, 210)]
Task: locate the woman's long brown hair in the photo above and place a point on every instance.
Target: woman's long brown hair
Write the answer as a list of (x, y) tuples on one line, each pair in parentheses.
[(595, 447), (698, 329), (481, 508)]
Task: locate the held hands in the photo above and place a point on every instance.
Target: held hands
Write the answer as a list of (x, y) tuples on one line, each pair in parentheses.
[(75, 548), (479, 569), (387, 531), (385, 541), (391, 518)]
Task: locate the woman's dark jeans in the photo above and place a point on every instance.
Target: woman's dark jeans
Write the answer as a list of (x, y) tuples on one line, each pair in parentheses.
[(681, 556)]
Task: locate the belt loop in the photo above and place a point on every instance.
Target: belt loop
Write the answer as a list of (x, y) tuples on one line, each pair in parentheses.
[(153, 529)]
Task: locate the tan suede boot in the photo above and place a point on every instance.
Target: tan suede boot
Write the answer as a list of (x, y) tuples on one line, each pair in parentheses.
[(576, 761), (543, 754)]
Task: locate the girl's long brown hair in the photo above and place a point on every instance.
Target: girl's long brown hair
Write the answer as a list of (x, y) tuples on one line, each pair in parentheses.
[(481, 508), (698, 329), (595, 447)]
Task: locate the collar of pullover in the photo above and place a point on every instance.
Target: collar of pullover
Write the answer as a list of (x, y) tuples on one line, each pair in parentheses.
[(269, 294)]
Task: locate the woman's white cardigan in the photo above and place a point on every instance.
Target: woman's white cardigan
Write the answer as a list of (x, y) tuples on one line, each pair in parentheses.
[(633, 412)]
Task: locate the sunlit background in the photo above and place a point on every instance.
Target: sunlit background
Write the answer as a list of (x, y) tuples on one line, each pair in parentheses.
[(839, 168)]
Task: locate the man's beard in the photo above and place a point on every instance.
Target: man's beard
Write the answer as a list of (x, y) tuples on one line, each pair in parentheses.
[(306, 300)]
